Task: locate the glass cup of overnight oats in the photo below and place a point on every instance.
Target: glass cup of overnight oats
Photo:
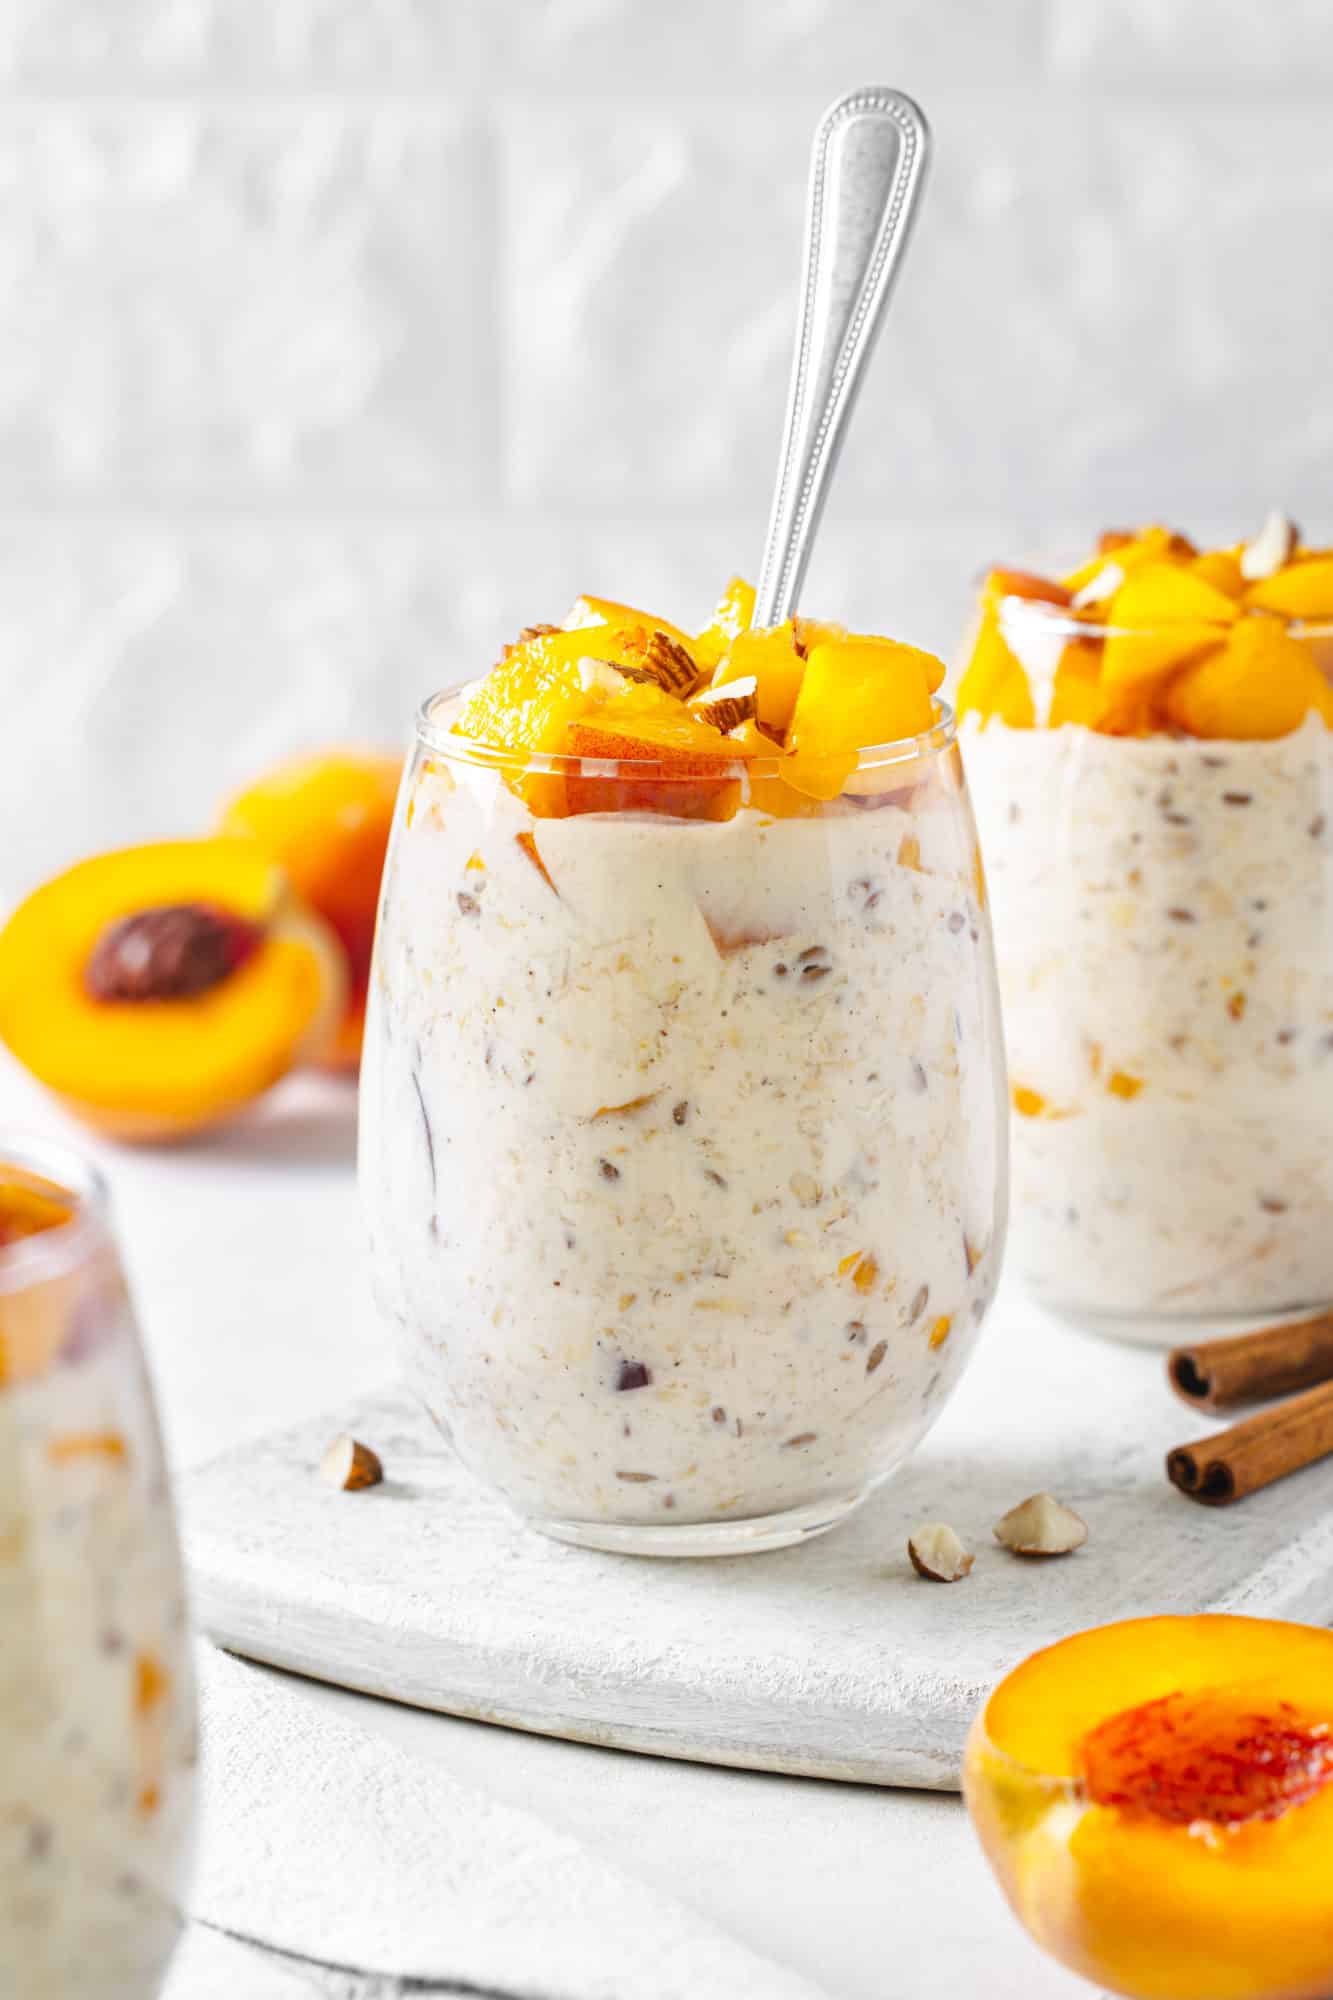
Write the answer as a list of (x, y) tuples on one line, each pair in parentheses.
[(683, 1138), (97, 1721), (1150, 745)]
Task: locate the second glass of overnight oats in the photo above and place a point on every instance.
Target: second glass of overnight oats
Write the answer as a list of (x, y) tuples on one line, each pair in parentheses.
[(683, 1102), (1150, 743), (97, 1711)]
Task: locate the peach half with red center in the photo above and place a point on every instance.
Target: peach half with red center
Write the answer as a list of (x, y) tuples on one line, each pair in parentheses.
[(156, 990), (1156, 1799)]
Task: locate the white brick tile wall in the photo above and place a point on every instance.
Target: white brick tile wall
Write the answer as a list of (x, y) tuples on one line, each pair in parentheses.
[(1240, 44), (241, 302), (225, 44), (337, 340), (647, 303), (726, 49)]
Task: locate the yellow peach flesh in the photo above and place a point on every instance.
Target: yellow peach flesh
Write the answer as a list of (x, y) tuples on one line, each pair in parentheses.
[(1162, 1907)]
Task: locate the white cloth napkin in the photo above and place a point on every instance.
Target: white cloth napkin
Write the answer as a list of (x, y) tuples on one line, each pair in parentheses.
[(335, 1849)]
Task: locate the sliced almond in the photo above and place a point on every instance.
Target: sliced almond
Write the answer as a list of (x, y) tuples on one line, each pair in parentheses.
[(729, 704), (350, 1465), (1272, 547), (605, 677), (1041, 1525), (664, 660), (938, 1554)]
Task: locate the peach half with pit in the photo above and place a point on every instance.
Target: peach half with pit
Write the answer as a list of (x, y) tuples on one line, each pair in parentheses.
[(1156, 1800), (156, 990)]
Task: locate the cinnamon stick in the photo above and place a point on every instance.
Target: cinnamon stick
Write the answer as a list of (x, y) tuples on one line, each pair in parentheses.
[(1272, 1361), (1217, 1470)]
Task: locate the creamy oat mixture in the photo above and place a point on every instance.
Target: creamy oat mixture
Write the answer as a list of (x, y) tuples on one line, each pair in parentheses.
[(1164, 925), (96, 1705), (682, 1142)]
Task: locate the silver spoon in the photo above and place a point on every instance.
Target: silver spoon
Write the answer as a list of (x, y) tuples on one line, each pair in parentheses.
[(866, 172)]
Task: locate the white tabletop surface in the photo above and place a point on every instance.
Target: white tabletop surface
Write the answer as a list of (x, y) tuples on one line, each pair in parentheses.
[(245, 1253)]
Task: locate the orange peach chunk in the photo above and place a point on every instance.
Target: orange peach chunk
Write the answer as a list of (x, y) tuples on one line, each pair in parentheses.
[(590, 612), (994, 684), (1262, 683), (1302, 589), (855, 694), (695, 775), (778, 667), (1162, 616), (732, 616)]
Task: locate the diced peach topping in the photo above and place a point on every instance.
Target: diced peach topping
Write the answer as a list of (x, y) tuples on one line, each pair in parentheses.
[(778, 667), (589, 612), (618, 686), (733, 615), (29, 1206), (1261, 683), (1208, 644), (855, 694), (1161, 616), (1303, 588)]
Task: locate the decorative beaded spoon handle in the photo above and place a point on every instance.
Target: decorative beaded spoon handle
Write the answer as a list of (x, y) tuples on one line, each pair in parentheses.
[(866, 172)]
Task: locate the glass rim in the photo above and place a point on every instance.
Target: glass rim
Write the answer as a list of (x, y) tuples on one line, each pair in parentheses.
[(468, 750), (1060, 619), (49, 1252)]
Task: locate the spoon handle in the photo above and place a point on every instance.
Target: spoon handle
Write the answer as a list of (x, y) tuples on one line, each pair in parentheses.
[(866, 172)]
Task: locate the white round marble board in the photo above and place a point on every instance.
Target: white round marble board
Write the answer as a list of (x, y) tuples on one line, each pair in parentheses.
[(831, 1659)]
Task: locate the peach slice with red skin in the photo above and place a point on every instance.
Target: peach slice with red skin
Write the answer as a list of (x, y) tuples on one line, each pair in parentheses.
[(156, 990), (1156, 1798), (689, 767), (325, 819)]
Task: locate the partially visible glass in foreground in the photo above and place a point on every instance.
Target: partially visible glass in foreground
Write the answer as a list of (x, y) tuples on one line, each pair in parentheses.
[(683, 1137), (97, 1715)]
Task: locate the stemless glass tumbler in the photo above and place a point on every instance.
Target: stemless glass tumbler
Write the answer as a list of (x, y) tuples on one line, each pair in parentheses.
[(683, 1129), (1164, 925), (97, 1720)]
